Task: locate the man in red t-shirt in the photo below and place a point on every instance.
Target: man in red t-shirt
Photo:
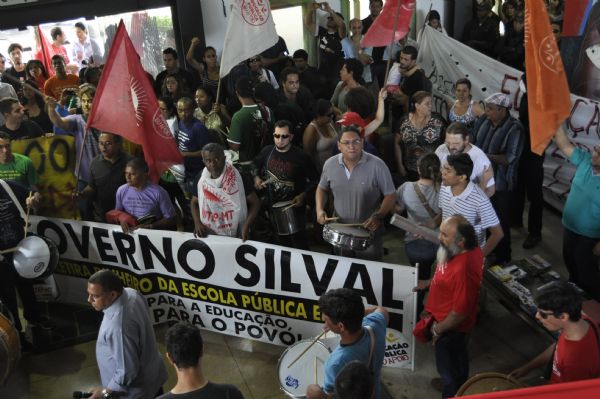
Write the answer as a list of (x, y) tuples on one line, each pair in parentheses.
[(576, 355), (453, 300)]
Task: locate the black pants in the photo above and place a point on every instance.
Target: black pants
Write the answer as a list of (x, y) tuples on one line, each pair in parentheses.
[(452, 361), (501, 201), (10, 284), (529, 184), (581, 262)]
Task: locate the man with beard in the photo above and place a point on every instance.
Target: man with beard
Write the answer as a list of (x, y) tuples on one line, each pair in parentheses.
[(453, 299), (458, 195), (413, 80), (219, 205), (457, 142), (286, 174)]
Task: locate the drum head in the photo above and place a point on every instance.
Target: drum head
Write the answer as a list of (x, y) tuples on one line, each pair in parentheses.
[(488, 382), (308, 369), (358, 232), (35, 257)]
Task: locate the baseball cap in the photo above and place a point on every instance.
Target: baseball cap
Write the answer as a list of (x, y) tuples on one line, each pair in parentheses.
[(499, 99)]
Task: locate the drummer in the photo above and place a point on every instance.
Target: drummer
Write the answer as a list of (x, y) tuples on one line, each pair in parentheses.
[(357, 180), (284, 173), (344, 313)]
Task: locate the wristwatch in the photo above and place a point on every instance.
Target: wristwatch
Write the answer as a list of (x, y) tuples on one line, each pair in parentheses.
[(106, 394)]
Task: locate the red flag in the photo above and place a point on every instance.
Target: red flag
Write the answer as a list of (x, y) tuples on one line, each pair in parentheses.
[(44, 52), (549, 103), (382, 31), (125, 104)]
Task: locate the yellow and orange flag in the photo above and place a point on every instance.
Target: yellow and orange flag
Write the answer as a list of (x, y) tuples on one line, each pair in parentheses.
[(548, 92)]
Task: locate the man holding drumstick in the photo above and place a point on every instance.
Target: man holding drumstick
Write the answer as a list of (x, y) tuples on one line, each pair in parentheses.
[(362, 337), (357, 181)]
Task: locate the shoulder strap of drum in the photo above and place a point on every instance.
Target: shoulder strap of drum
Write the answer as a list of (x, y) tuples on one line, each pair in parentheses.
[(13, 198), (424, 200), (371, 346)]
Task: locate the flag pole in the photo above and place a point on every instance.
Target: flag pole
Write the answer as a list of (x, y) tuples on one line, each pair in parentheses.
[(389, 49)]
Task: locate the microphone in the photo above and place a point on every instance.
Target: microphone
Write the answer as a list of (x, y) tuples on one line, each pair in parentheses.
[(81, 395)]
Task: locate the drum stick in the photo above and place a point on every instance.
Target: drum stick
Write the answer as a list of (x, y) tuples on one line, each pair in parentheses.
[(307, 348), (27, 215), (290, 206), (331, 219), (5, 251)]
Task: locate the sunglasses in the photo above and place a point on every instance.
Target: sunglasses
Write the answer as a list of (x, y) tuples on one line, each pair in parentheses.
[(281, 136)]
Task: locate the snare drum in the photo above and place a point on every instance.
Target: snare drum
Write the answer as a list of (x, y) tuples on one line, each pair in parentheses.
[(354, 238), (35, 257), (284, 218), (488, 382), (309, 369), (10, 347)]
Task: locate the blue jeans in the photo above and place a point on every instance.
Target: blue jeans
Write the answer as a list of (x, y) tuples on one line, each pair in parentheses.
[(452, 361)]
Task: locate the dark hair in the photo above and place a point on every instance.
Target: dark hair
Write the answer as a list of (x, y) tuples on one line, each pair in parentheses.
[(6, 104), (56, 32), (433, 14), (5, 136), (169, 103), (343, 305), (355, 67), (179, 91), (39, 63), (14, 46), (81, 26), (87, 89), (184, 345), (108, 280), (350, 128), (429, 166), (354, 381), (466, 232), (284, 123), (560, 297), (266, 93), (170, 50), (138, 164), (321, 107), (214, 148), (38, 98), (208, 90), (57, 57), (116, 137), (376, 1), (416, 99), (92, 73), (186, 101), (462, 164), (458, 128), (410, 50), (361, 101), (300, 54), (206, 49), (463, 81), (283, 75), (244, 88)]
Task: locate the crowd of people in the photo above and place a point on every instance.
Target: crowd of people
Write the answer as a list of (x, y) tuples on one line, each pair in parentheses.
[(285, 139)]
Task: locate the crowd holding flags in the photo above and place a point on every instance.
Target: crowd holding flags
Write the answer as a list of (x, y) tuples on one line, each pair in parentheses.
[(125, 104), (392, 24), (549, 103)]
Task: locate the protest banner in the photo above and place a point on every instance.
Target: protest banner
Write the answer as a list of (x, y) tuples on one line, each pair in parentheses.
[(446, 60), (246, 289), (54, 160)]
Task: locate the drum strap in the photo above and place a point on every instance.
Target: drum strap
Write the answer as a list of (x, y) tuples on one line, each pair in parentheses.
[(371, 346), (13, 198), (424, 200)]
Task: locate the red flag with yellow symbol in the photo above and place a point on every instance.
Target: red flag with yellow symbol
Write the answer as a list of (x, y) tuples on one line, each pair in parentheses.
[(548, 95)]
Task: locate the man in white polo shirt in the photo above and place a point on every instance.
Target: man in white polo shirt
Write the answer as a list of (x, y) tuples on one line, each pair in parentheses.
[(457, 142), (458, 195)]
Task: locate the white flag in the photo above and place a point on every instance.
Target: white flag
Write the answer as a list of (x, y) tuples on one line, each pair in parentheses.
[(250, 31)]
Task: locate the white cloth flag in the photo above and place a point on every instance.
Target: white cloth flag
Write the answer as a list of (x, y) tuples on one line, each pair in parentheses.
[(250, 31)]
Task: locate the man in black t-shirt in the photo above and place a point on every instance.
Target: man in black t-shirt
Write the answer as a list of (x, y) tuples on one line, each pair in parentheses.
[(413, 80), (285, 173), (17, 71), (184, 351), (15, 124)]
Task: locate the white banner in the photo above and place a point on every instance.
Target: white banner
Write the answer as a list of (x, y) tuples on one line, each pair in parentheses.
[(246, 289), (446, 60)]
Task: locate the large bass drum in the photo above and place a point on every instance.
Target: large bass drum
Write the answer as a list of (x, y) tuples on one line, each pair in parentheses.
[(35, 257), (10, 346)]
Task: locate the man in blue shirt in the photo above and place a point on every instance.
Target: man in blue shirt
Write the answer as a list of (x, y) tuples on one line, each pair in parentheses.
[(344, 314), (581, 216), (128, 358)]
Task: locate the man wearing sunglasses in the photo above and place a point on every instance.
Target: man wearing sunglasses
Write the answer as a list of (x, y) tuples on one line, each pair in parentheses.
[(576, 354), (284, 173)]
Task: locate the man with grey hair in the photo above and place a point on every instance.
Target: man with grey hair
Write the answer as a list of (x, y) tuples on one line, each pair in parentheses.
[(453, 300), (126, 351), (501, 138)]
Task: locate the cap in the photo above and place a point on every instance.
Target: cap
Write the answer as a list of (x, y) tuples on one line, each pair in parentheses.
[(499, 99), (352, 118)]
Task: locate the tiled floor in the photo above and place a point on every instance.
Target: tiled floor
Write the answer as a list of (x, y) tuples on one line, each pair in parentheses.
[(500, 342)]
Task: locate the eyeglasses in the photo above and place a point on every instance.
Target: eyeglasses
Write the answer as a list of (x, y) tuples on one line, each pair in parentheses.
[(349, 143), (545, 315), (281, 136)]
